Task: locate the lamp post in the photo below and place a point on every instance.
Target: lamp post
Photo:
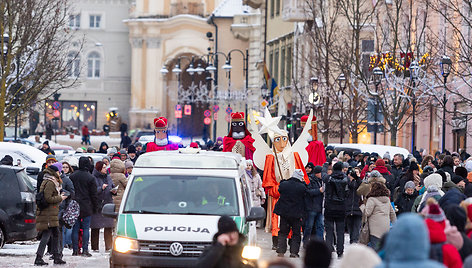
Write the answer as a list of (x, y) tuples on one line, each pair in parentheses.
[(342, 85), (314, 89), (378, 74), (227, 67), (414, 68), (445, 70)]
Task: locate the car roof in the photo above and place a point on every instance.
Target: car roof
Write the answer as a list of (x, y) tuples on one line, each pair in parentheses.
[(12, 167)]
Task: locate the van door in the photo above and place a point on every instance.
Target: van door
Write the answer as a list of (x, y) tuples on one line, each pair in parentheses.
[(249, 227)]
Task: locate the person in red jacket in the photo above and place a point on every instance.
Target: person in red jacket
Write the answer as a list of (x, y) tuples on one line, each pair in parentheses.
[(441, 250)]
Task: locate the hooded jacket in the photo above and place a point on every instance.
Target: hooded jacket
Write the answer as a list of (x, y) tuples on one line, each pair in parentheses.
[(407, 245), (335, 194), (450, 255), (85, 188), (48, 217), (452, 197), (379, 213), (117, 174), (314, 198), (353, 199), (291, 203), (405, 202), (101, 151)]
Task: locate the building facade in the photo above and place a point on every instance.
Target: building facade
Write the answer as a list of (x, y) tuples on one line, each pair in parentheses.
[(102, 68)]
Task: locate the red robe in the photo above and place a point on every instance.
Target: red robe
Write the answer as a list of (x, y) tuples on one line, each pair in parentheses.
[(271, 187), (248, 141), (316, 153), (152, 147)]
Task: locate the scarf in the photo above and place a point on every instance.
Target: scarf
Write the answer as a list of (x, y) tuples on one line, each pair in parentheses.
[(55, 181)]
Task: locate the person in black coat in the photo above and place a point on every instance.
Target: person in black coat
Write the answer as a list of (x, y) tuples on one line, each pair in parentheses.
[(353, 212), (46, 148), (448, 165), (226, 249), (125, 141), (335, 207), (103, 148), (313, 204), (458, 217), (291, 209), (406, 199), (86, 195), (464, 183)]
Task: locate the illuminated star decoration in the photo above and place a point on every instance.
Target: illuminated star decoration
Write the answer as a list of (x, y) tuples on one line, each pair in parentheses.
[(269, 124)]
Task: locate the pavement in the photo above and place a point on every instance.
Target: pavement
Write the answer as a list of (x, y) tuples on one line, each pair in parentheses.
[(22, 254)]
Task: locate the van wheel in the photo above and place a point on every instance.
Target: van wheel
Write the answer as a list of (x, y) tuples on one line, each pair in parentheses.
[(2, 237)]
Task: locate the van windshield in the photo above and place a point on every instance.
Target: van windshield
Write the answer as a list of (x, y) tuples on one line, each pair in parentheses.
[(176, 194)]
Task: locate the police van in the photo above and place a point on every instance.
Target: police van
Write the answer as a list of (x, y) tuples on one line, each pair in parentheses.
[(172, 203)]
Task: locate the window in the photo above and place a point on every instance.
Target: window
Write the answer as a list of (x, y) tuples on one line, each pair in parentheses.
[(74, 21), (74, 113), (368, 46), (95, 21), (277, 8), (275, 75), (282, 67), (288, 76), (93, 65), (272, 8), (271, 61), (73, 65)]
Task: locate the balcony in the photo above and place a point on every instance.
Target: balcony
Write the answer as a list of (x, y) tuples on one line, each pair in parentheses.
[(296, 11), (187, 7)]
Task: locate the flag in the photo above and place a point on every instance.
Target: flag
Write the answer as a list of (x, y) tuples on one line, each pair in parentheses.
[(271, 84)]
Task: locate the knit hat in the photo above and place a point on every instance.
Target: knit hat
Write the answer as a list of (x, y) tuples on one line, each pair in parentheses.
[(99, 165), (433, 179), (52, 167), (128, 164), (131, 149), (111, 151), (317, 169), (346, 165), (298, 174), (456, 179), (51, 157), (338, 166), (386, 155), (226, 225), (329, 147), (380, 162), (122, 152), (413, 166), (461, 171), (46, 142), (58, 165), (107, 158), (435, 213), (79, 150), (90, 149), (317, 254), (409, 185), (138, 144), (359, 256), (375, 174)]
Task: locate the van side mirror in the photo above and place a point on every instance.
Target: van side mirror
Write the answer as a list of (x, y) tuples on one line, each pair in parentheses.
[(108, 210), (255, 214)]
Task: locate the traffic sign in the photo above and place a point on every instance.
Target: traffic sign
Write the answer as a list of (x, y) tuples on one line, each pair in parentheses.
[(228, 118), (188, 109), (264, 103), (216, 108), (56, 113), (207, 120), (229, 110), (178, 107), (207, 113), (56, 105), (215, 116)]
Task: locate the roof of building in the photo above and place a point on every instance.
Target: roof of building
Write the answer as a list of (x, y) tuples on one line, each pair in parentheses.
[(229, 8)]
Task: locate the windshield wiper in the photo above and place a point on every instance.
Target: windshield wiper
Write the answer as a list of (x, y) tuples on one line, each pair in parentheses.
[(141, 211), (194, 213)]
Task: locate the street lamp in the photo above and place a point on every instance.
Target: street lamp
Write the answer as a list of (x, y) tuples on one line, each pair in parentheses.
[(314, 88), (414, 69), (164, 70), (342, 85), (378, 75), (445, 70)]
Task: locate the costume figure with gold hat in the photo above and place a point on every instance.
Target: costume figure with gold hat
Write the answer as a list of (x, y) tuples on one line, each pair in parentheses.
[(278, 162), (239, 139), (315, 148), (161, 142)]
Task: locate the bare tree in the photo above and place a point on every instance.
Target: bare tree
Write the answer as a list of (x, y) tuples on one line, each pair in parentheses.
[(34, 62)]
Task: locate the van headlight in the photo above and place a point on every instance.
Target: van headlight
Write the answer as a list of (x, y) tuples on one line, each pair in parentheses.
[(251, 253), (123, 244)]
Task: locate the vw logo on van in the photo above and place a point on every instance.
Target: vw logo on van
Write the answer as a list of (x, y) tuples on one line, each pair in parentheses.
[(176, 249)]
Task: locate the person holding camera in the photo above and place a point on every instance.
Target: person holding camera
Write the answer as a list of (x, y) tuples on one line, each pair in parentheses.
[(313, 204), (47, 221), (353, 212)]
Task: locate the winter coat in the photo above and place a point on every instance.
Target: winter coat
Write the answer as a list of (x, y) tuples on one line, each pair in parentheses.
[(257, 192), (352, 199), (379, 213), (452, 197), (397, 173), (117, 169), (219, 256), (389, 178), (448, 169), (458, 218), (468, 189), (68, 186), (125, 142), (48, 217), (85, 189), (47, 151), (405, 202), (450, 255), (314, 198), (104, 197), (364, 188), (407, 245), (100, 149), (291, 203), (335, 193)]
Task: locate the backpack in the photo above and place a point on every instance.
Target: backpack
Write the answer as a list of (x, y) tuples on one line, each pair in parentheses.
[(71, 214), (41, 202)]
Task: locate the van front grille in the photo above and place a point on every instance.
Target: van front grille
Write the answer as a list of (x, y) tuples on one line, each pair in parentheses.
[(162, 248)]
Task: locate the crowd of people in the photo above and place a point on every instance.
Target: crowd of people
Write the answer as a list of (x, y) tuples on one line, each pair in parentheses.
[(85, 186)]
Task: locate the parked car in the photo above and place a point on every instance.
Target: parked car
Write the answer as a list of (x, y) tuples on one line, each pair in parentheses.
[(142, 132), (31, 158), (17, 205), (22, 141)]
